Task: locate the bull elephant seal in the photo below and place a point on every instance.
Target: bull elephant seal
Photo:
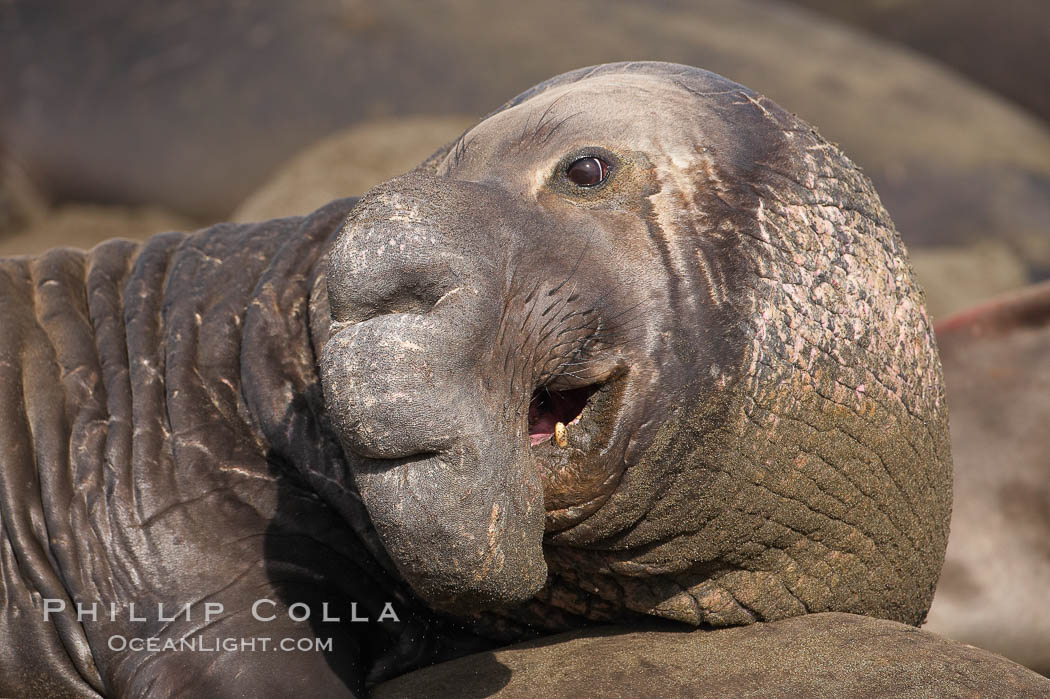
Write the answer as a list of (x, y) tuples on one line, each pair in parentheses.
[(639, 343)]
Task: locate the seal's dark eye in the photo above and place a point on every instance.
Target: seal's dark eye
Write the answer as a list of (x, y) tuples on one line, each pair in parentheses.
[(588, 172)]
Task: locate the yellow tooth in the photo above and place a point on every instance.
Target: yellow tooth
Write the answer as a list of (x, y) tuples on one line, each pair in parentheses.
[(561, 435)]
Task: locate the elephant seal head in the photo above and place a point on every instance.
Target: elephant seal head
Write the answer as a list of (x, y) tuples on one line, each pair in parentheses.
[(641, 341)]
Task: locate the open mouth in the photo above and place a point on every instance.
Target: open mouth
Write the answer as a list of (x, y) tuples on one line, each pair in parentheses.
[(550, 411)]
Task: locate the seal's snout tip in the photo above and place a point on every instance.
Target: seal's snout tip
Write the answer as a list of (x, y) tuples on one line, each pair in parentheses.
[(471, 598)]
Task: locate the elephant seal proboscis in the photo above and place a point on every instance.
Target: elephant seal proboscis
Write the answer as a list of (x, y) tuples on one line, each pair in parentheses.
[(639, 343)]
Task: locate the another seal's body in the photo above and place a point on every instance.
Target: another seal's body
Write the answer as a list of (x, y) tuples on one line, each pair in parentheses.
[(639, 343)]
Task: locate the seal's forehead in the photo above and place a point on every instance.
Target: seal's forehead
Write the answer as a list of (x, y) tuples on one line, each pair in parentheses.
[(632, 89), (665, 116), (618, 107)]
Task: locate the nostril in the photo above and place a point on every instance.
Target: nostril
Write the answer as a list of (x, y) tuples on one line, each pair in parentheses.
[(357, 295), (412, 240), (416, 298), (382, 459)]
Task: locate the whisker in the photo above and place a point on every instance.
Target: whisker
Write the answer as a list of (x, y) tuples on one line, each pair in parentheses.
[(572, 274)]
